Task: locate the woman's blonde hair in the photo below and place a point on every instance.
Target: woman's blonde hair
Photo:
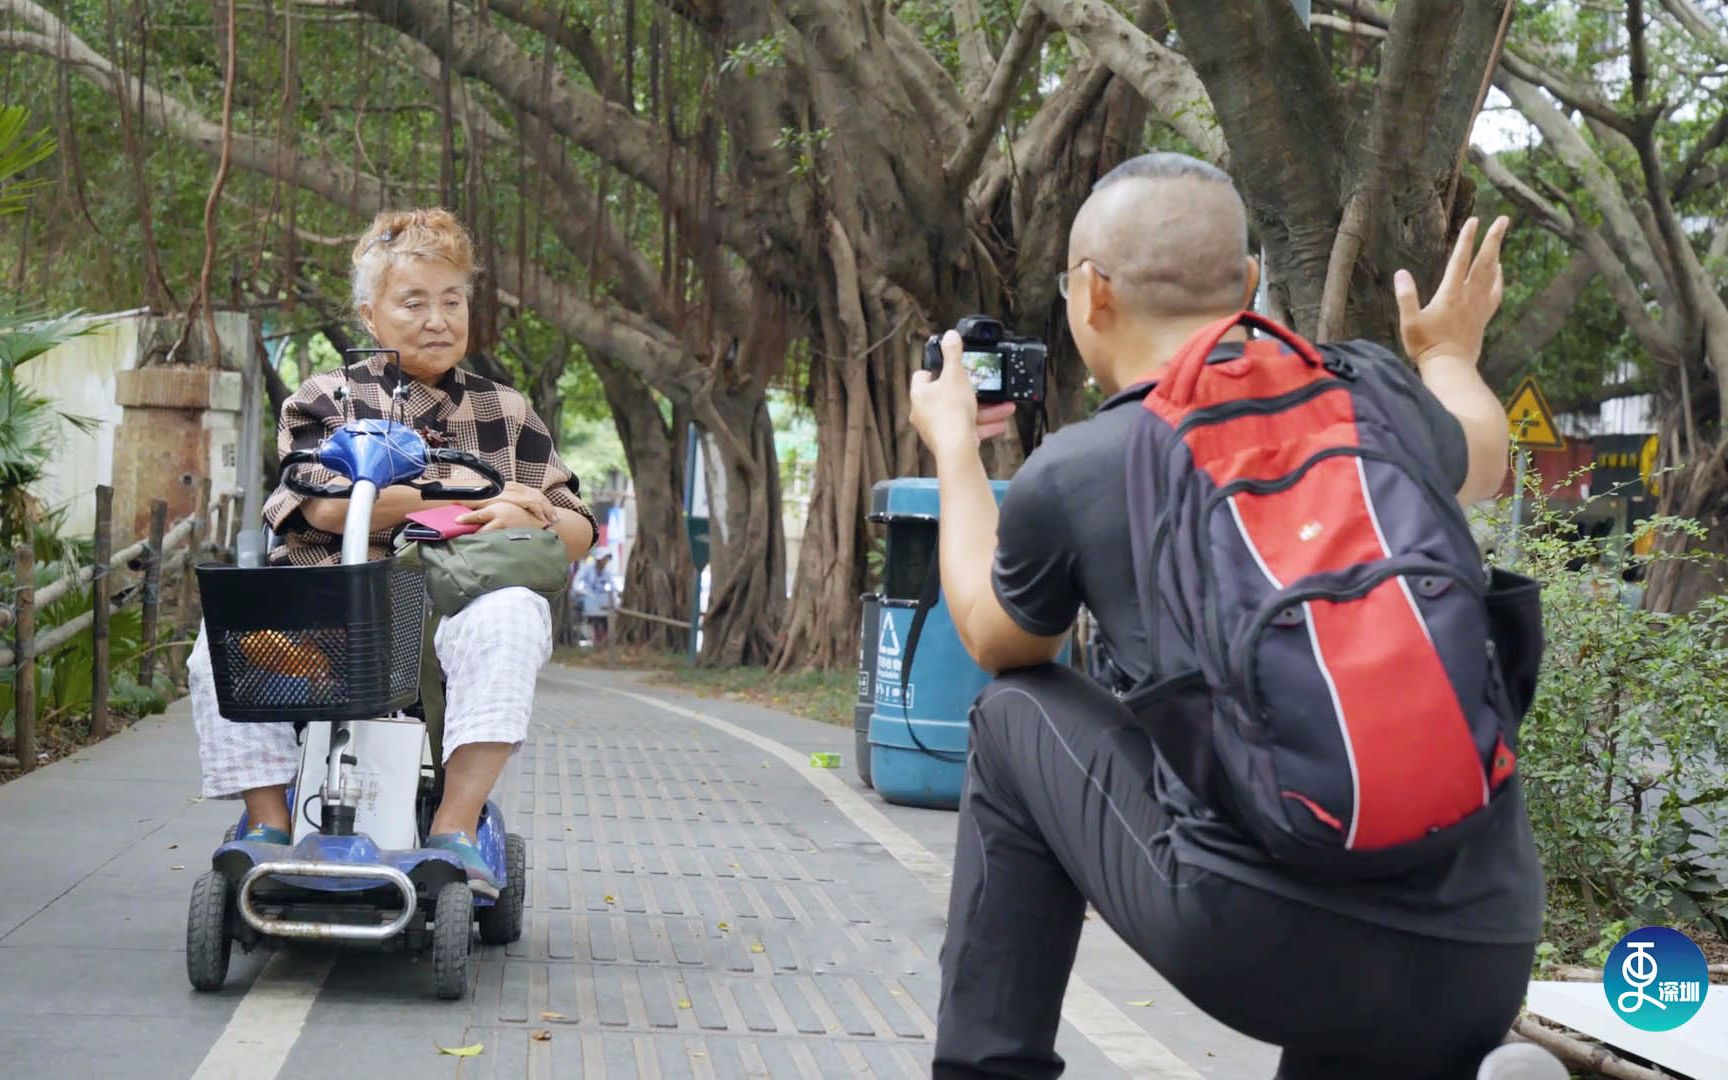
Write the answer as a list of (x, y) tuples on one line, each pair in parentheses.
[(398, 235)]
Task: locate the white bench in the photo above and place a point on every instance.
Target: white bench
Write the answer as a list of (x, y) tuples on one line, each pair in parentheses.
[(1697, 1049)]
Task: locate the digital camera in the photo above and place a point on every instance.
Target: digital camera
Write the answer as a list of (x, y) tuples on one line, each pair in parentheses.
[(1002, 366)]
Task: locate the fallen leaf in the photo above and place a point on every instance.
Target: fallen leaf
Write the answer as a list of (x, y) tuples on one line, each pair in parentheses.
[(176, 868), (553, 1016), (171, 847), (724, 926), (756, 946), (462, 1051), (541, 1035), (1147, 1004), (683, 1003), (608, 898), (896, 991)]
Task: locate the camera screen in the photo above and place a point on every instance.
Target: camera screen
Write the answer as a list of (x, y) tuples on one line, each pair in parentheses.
[(984, 368)]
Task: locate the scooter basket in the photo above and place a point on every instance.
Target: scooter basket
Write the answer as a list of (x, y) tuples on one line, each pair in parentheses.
[(314, 642)]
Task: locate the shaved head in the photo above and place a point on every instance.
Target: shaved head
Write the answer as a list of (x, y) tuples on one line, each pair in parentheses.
[(1169, 233)]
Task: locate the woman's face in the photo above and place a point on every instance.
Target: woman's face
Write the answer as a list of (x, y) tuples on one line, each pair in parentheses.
[(421, 311)]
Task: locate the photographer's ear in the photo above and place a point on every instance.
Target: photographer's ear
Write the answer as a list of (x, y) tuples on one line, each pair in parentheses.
[(1250, 280), (1100, 295)]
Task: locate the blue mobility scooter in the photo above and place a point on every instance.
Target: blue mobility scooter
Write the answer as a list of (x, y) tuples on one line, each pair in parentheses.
[(338, 650)]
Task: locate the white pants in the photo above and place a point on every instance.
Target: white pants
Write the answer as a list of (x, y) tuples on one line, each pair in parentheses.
[(491, 652)]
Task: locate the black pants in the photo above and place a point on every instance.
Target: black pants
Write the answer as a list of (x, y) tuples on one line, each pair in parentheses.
[(1058, 812)]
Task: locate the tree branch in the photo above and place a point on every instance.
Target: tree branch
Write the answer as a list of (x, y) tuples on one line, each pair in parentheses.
[(1583, 98), (567, 31), (637, 148), (976, 63), (1553, 218), (1699, 26), (986, 116), (1539, 321), (654, 352), (1688, 177), (1412, 111), (1619, 219), (1050, 128), (1348, 25), (1168, 82)]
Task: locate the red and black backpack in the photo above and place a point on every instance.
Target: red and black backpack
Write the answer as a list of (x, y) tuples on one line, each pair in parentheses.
[(1330, 655)]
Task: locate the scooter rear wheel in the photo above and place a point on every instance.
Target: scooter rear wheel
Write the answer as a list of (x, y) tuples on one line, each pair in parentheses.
[(452, 933), (501, 923), (208, 945)]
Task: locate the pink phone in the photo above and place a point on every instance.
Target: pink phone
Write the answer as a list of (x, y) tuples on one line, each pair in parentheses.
[(439, 524)]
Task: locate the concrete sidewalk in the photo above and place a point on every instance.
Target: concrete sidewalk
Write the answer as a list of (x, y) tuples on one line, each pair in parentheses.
[(702, 903)]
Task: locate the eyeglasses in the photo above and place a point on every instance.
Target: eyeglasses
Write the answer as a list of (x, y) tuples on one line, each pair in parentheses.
[(1062, 278)]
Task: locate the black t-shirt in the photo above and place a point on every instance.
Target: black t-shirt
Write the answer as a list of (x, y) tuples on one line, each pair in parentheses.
[(1063, 541)]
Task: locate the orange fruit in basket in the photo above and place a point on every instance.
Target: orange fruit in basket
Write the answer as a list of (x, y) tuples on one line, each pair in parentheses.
[(284, 654)]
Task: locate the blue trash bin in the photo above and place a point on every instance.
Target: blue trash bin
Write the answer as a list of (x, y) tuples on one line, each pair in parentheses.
[(918, 747)]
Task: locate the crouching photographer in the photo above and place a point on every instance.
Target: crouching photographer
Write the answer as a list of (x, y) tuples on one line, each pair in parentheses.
[(1305, 812)]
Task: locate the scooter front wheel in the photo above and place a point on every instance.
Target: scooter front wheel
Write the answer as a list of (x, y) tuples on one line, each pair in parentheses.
[(208, 945), (452, 934), (501, 923)]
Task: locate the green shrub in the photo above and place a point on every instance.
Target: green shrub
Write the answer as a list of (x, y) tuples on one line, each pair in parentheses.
[(1623, 751)]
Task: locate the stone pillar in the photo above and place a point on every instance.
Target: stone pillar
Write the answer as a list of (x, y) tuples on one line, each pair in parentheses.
[(181, 426)]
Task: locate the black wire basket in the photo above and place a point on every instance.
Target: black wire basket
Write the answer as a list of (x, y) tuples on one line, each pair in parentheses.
[(314, 642)]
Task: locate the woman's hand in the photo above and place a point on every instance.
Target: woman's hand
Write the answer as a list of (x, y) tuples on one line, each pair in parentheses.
[(533, 500), (500, 514)]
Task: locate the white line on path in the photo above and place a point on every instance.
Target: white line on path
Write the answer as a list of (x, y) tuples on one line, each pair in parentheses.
[(262, 1031), (1091, 1013)]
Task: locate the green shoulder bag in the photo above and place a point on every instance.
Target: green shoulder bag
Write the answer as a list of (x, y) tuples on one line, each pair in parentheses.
[(465, 567)]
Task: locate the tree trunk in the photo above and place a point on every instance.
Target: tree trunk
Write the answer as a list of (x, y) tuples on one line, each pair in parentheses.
[(747, 578), (659, 576), (1678, 583)]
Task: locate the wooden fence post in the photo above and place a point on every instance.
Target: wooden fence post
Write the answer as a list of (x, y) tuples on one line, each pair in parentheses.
[(100, 610), (224, 517), (152, 591), (24, 664), (197, 545)]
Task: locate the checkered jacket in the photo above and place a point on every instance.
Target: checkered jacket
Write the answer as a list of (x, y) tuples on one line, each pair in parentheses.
[(462, 411)]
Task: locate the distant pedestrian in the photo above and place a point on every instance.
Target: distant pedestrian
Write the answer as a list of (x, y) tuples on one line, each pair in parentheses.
[(599, 595)]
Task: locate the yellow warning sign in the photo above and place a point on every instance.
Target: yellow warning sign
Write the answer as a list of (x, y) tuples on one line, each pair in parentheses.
[(1531, 420)]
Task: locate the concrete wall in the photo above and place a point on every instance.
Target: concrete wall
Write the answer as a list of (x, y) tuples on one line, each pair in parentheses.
[(79, 378)]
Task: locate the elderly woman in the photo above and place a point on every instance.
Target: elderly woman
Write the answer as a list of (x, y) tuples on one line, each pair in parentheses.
[(412, 276)]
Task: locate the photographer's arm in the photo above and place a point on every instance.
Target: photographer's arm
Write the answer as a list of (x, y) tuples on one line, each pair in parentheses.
[(968, 533), (946, 414), (1444, 340), (1458, 385)]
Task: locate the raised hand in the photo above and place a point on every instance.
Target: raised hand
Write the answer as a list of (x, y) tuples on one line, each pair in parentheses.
[(1454, 320)]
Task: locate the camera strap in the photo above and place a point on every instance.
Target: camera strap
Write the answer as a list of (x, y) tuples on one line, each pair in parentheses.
[(927, 599)]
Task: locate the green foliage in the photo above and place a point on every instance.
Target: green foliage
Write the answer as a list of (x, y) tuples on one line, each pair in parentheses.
[(1622, 752), (806, 144), (18, 153), (592, 448), (31, 428), (763, 54)]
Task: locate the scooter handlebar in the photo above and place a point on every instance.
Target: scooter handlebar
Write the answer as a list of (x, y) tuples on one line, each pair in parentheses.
[(492, 486), (438, 489), (291, 464)]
